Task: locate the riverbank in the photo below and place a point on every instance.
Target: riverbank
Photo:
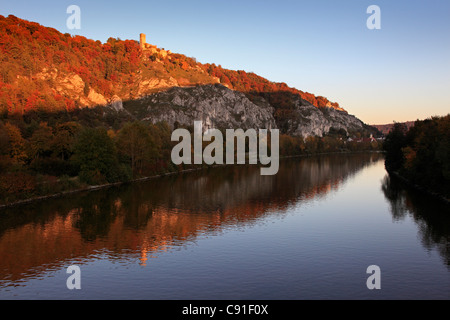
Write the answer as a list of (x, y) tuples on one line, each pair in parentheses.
[(117, 184), (417, 187), (88, 189)]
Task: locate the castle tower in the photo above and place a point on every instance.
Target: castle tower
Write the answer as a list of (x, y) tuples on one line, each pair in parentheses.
[(142, 41)]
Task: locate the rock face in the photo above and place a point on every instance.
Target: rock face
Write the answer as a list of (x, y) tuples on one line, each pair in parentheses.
[(215, 105), (219, 107), (95, 99), (309, 120), (72, 85), (116, 103), (154, 83)]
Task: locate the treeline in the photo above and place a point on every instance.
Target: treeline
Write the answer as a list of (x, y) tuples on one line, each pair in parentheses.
[(38, 158), (334, 141), (422, 153)]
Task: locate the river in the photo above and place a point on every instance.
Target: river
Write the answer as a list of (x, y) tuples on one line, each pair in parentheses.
[(309, 232)]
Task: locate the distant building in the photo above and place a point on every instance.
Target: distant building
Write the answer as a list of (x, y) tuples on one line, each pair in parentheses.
[(152, 48), (143, 41), (145, 45)]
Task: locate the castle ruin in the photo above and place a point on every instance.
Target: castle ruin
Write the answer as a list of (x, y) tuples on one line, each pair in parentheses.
[(143, 41), (152, 48)]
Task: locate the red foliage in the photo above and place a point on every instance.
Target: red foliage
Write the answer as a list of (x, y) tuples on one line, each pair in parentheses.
[(32, 102), (28, 48)]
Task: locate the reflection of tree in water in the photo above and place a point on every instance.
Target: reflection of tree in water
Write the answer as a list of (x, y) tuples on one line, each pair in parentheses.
[(432, 216), (95, 215), (141, 219)]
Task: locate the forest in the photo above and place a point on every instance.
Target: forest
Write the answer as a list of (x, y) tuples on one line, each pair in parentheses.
[(421, 154)]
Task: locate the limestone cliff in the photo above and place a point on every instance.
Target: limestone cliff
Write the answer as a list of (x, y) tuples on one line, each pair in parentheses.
[(215, 105), (219, 107), (311, 121)]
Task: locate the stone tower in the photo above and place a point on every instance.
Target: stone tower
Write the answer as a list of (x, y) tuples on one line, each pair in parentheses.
[(142, 41)]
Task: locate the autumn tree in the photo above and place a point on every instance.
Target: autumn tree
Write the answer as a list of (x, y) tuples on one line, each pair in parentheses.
[(40, 141), (64, 139), (4, 149), (17, 145), (162, 134), (135, 143)]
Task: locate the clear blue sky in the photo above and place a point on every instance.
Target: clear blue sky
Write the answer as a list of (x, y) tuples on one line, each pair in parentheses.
[(401, 72)]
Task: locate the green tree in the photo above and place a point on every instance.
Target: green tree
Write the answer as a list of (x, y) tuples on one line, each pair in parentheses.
[(96, 156)]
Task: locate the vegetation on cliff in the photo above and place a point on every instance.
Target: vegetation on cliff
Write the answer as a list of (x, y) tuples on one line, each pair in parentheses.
[(42, 69)]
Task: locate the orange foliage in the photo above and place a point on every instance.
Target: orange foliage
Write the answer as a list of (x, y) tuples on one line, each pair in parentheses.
[(27, 49), (17, 183)]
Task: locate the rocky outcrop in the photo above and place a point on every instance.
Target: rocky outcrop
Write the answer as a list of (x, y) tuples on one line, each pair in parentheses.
[(215, 105), (95, 99), (219, 107), (148, 85), (165, 99), (309, 120), (116, 103), (72, 85)]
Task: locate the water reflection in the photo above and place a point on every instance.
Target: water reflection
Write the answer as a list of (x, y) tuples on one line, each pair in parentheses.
[(431, 216), (136, 222)]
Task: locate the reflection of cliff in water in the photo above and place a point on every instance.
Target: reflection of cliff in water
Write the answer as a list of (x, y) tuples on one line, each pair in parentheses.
[(431, 215), (141, 219)]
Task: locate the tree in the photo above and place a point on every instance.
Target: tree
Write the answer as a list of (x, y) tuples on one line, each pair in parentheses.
[(16, 144), (64, 139), (96, 156), (40, 141), (4, 149), (162, 135), (393, 144), (136, 144), (422, 154), (4, 140)]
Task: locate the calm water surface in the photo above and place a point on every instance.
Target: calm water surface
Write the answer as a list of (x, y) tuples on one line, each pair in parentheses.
[(310, 232)]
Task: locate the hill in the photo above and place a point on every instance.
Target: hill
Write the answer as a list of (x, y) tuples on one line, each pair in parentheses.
[(386, 128), (43, 70)]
